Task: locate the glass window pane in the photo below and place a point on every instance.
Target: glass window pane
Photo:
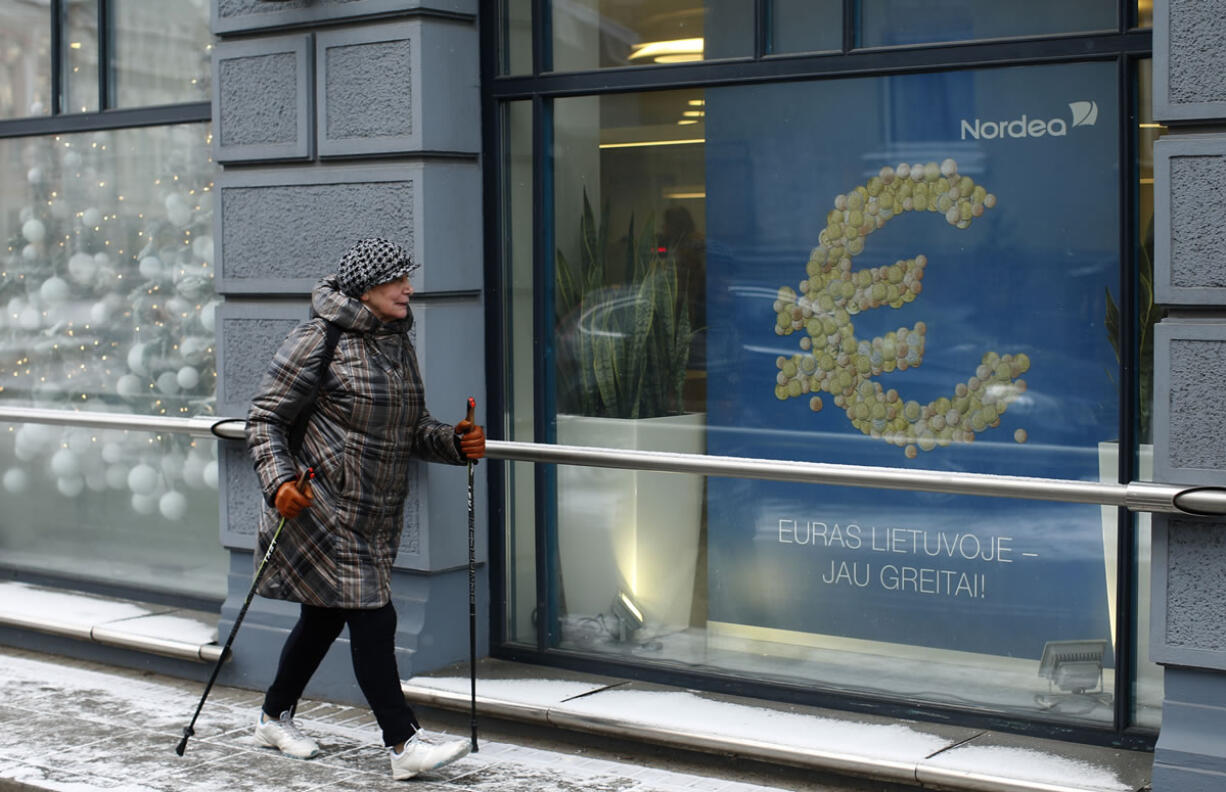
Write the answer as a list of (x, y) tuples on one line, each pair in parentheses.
[(112, 506), (592, 34), (887, 23), (107, 279), (80, 56), (161, 51), (25, 67), (1148, 690), (805, 25), (900, 288), (521, 476), (1145, 13), (515, 37)]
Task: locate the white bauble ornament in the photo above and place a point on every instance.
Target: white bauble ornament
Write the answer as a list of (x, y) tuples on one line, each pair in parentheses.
[(194, 350), (81, 267), (117, 477), (95, 479), (35, 437), (150, 267), (188, 377), (112, 452), (144, 504), (30, 252), (143, 479), (54, 290), (168, 383), (16, 480), (172, 465), (202, 247), (136, 359), (30, 319), (210, 473), (65, 464), (70, 487), (80, 442), (24, 453), (178, 307), (34, 230), (193, 471), (91, 217), (208, 316), (34, 175), (100, 312), (178, 210), (130, 386), (173, 505)]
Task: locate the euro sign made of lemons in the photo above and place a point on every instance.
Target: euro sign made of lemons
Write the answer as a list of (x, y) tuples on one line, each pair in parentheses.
[(833, 361)]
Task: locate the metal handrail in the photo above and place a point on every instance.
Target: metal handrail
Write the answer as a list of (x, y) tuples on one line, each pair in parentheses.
[(1142, 496)]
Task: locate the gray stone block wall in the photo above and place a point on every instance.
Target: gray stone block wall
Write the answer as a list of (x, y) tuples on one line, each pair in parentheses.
[(262, 102), (336, 120), (1188, 623)]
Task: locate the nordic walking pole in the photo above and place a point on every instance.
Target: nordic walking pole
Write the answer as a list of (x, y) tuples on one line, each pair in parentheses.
[(188, 730), (472, 588)]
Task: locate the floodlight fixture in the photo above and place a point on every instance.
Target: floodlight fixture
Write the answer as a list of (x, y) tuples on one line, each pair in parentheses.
[(629, 616), (1076, 669), (1074, 666)]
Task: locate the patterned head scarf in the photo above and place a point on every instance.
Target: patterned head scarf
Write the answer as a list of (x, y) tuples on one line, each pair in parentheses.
[(372, 262)]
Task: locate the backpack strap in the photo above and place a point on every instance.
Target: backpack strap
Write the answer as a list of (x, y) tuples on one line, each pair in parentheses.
[(297, 430)]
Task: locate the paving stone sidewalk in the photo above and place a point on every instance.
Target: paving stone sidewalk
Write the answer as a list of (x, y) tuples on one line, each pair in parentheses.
[(72, 725)]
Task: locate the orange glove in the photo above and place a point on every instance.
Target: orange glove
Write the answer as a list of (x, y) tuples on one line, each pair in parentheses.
[(472, 437), (290, 500)]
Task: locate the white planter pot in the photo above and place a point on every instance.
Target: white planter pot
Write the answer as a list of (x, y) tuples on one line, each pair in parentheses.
[(630, 530)]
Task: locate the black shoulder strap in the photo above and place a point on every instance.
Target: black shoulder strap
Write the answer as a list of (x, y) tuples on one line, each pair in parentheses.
[(297, 430)]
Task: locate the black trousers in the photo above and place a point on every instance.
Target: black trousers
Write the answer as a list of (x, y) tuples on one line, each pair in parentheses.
[(372, 643)]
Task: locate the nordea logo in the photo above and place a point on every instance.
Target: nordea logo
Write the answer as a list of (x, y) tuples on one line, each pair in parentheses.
[(1084, 114)]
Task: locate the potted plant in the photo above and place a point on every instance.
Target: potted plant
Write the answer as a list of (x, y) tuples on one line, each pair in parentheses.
[(623, 344)]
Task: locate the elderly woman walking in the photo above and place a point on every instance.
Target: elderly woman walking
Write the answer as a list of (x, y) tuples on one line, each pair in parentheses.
[(344, 396)]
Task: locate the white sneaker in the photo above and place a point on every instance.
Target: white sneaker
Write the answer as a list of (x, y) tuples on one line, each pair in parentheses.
[(284, 735), (419, 756)]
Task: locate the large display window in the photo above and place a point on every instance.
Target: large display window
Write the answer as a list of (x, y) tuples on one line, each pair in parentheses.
[(901, 271), (107, 304)]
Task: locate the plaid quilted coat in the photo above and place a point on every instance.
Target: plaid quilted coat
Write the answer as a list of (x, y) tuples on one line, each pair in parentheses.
[(370, 419)]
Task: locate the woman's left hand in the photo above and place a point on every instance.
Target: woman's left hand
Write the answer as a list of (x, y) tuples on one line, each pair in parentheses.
[(472, 439)]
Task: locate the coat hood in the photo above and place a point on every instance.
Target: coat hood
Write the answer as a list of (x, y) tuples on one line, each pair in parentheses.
[(329, 302)]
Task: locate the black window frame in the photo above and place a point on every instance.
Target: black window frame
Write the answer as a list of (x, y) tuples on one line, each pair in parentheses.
[(1126, 46), (107, 116)]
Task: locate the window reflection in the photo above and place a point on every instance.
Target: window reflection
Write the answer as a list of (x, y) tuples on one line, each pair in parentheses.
[(25, 59), (80, 56), (899, 22), (106, 288), (111, 506), (591, 34), (161, 51)]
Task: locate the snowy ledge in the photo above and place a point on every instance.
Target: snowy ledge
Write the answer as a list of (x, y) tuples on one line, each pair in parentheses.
[(926, 754), (179, 633)]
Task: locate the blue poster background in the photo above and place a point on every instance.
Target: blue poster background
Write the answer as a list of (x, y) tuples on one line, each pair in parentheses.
[(1028, 276)]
